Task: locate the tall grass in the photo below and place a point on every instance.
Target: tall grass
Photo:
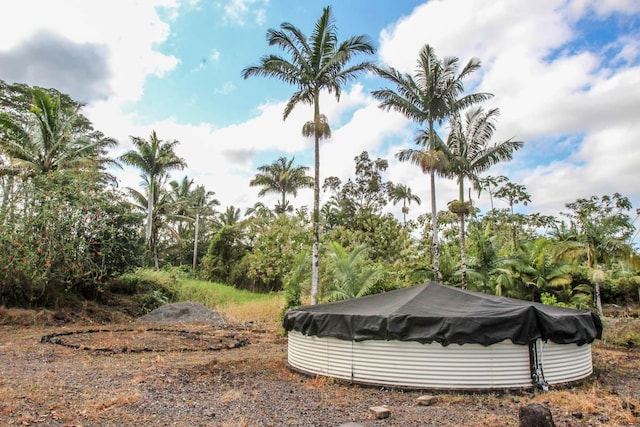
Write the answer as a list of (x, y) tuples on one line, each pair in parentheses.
[(233, 304)]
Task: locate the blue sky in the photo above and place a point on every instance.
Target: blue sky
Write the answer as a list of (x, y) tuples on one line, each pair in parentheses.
[(565, 75)]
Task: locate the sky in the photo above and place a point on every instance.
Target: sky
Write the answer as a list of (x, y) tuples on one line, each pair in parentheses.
[(565, 75)]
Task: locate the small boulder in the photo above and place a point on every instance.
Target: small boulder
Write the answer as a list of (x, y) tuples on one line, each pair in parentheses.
[(536, 415), (380, 412), (426, 400)]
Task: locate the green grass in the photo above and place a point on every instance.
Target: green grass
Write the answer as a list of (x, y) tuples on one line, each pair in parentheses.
[(216, 295), (233, 304), (151, 289)]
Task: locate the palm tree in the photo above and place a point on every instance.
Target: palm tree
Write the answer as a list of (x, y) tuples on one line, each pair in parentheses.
[(602, 228), (490, 183), (404, 193), (470, 153), (56, 136), (513, 194), (189, 205), (179, 195), (317, 63), (352, 274), (259, 210), (162, 206), (155, 159), (230, 216), (431, 97), (282, 177), (202, 203)]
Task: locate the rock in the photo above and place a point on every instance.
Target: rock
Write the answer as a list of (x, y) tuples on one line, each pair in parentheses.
[(426, 400), (536, 415), (380, 412), (350, 425), (184, 312)]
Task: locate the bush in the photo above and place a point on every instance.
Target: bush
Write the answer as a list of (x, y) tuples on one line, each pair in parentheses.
[(623, 291), (149, 289), (62, 234)]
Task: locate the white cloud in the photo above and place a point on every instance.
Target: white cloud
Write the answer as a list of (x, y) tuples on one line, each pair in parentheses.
[(225, 89), (238, 12), (544, 90), (214, 55), (130, 37)]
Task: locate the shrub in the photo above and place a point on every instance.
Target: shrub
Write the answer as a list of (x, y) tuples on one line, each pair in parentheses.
[(63, 233)]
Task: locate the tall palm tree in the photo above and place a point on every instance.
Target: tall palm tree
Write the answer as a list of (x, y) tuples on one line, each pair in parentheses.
[(513, 194), (156, 159), (180, 201), (430, 97), (201, 203), (470, 152), (404, 193), (282, 177), (55, 137), (316, 63), (230, 216), (160, 215), (190, 205)]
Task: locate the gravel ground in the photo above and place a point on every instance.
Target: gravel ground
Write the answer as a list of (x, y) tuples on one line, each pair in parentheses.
[(174, 373)]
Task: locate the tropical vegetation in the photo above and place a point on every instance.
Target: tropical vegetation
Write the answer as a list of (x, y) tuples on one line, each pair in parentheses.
[(68, 231)]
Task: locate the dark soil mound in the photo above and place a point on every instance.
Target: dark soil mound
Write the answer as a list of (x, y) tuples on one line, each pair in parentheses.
[(184, 312)]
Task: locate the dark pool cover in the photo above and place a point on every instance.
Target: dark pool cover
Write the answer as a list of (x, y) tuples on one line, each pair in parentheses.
[(434, 312)]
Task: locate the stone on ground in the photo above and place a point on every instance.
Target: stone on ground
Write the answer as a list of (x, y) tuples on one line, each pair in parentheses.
[(380, 412), (536, 415), (184, 312)]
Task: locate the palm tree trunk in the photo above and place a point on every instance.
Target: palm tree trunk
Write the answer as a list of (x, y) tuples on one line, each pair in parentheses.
[(463, 242), (195, 242), (284, 200), (149, 214), (434, 226), (514, 236), (154, 244), (596, 291), (597, 275), (463, 253), (315, 251), (404, 212), (434, 209)]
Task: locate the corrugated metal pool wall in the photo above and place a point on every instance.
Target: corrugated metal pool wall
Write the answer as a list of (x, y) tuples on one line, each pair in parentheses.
[(411, 364)]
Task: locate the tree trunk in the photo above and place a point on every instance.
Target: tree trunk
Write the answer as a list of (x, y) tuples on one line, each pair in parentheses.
[(195, 242), (598, 299), (149, 214), (154, 244), (315, 255), (463, 253), (404, 212), (434, 226), (598, 275), (514, 235), (434, 209), (463, 241)]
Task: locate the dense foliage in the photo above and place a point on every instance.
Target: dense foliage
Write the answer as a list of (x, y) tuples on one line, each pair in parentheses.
[(66, 231), (63, 230)]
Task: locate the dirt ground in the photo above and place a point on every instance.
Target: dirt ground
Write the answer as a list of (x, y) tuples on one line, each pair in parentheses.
[(174, 373)]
